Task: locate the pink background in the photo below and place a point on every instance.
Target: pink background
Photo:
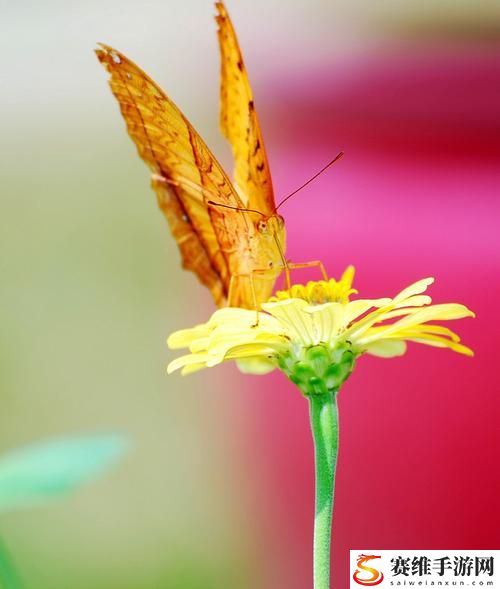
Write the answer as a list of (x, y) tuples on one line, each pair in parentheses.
[(416, 194)]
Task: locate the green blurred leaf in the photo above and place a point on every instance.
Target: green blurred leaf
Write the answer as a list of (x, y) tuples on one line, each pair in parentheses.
[(49, 470), (9, 577)]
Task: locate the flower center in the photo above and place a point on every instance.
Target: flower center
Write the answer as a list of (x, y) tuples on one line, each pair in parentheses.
[(317, 293)]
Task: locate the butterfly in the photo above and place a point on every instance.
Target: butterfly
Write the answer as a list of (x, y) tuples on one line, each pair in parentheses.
[(229, 234)]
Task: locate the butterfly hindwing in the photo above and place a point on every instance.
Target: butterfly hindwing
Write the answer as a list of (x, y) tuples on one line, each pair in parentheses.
[(193, 254)]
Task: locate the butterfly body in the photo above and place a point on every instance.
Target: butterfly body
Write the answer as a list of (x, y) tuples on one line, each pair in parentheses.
[(256, 264), (229, 235)]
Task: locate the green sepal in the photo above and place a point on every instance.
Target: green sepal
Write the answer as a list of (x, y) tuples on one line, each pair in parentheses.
[(319, 369)]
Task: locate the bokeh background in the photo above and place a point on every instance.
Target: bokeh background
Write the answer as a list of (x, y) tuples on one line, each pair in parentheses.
[(218, 489)]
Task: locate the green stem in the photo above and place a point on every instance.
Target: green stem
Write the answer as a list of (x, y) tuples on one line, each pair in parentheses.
[(325, 430)]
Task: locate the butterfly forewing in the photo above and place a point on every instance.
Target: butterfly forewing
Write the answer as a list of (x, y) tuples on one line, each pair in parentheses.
[(239, 122), (186, 175)]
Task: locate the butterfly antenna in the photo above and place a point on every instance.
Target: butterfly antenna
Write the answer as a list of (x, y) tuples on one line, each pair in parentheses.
[(242, 210), (335, 159)]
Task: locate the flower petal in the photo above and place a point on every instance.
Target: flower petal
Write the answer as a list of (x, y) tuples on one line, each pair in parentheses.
[(414, 289), (255, 365), (358, 327), (327, 321), (289, 313), (432, 329), (187, 360), (184, 337), (441, 342), (348, 276), (444, 312), (415, 301), (192, 368), (355, 309), (386, 348)]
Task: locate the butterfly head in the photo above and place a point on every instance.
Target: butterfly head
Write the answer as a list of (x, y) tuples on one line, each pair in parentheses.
[(271, 233), (272, 225)]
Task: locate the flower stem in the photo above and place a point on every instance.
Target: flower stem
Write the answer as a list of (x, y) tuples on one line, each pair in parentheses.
[(325, 430)]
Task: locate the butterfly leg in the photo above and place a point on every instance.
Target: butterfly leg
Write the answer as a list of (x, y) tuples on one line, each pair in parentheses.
[(254, 298), (288, 280), (312, 264), (287, 267), (230, 289), (232, 297)]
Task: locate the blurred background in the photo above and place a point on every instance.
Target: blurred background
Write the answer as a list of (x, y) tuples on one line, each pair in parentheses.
[(218, 490)]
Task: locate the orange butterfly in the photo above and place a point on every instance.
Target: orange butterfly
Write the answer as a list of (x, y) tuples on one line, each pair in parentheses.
[(229, 235)]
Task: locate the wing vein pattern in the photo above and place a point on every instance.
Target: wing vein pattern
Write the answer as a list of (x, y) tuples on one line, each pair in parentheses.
[(239, 122), (185, 174)]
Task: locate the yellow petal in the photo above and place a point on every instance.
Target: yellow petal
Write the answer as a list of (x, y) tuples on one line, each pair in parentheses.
[(191, 368), (326, 321), (187, 360), (414, 289), (355, 309), (386, 348), (348, 276), (441, 342), (401, 312), (252, 349), (255, 365), (290, 313), (432, 329), (443, 312), (415, 301), (359, 327), (184, 337)]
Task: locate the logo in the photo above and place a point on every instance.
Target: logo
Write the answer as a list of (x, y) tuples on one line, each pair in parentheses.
[(367, 575), (392, 569)]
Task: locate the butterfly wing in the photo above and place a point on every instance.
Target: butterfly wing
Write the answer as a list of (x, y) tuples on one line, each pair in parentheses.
[(192, 248), (186, 176), (239, 122)]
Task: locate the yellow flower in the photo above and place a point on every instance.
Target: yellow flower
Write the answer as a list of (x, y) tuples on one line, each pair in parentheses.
[(314, 332)]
